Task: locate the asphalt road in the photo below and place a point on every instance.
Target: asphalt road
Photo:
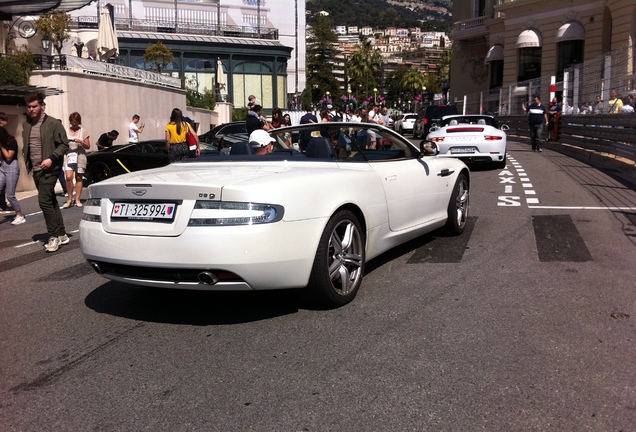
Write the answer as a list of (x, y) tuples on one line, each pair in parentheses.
[(525, 322)]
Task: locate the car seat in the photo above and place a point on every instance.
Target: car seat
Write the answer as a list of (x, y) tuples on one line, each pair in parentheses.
[(320, 148), (481, 121), (452, 122), (242, 148)]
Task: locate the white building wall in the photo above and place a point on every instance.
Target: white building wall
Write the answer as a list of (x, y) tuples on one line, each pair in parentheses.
[(279, 14)]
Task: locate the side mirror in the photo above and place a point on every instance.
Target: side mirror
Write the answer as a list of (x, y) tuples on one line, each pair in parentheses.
[(504, 127), (428, 148)]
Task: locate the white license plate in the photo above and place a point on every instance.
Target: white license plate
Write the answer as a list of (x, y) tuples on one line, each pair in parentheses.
[(464, 150), (143, 211)]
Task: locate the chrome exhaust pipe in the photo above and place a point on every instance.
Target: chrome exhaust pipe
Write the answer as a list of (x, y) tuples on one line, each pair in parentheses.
[(96, 267), (208, 278)]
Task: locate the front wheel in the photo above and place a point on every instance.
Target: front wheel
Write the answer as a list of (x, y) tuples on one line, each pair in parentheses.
[(338, 267), (98, 171), (458, 206)]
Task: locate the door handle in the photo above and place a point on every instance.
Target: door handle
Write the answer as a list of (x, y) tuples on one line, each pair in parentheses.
[(445, 172)]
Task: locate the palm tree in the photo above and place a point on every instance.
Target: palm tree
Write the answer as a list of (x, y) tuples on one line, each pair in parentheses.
[(362, 67)]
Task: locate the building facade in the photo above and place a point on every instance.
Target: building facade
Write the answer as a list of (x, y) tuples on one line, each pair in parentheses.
[(260, 43), (510, 50)]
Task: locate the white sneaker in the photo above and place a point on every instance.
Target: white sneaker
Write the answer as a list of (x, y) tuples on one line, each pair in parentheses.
[(64, 239), (18, 220), (53, 244)]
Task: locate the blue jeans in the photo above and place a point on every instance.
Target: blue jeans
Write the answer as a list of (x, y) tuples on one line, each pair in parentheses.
[(536, 132), (9, 174)]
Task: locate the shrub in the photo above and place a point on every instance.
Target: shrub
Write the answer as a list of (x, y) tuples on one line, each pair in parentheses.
[(11, 74)]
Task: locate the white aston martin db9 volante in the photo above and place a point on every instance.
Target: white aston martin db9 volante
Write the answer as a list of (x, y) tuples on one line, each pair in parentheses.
[(275, 213), (472, 138)]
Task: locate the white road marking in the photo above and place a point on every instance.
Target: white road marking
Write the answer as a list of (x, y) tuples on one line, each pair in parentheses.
[(36, 242), (584, 208)]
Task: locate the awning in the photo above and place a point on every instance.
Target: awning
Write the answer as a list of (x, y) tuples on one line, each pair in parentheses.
[(496, 52), (529, 39), (13, 90), (35, 7), (570, 31)]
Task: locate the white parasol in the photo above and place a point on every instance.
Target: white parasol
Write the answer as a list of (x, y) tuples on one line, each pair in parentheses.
[(107, 45), (220, 77)]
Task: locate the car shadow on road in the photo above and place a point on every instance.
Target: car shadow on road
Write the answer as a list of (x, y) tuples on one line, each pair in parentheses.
[(204, 308), (200, 308)]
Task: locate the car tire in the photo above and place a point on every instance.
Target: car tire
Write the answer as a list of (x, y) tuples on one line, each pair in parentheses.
[(458, 206), (501, 164), (338, 267), (98, 171)]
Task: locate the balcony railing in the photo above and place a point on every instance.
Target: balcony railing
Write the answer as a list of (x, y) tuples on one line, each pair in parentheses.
[(94, 67), (158, 26), (470, 28)]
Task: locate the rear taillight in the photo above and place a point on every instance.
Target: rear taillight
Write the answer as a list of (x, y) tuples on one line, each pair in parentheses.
[(436, 139), (425, 120), (493, 138)]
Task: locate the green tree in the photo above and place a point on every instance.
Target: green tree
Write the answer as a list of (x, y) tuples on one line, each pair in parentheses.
[(23, 58), (158, 55), (321, 54), (11, 74), (56, 27), (443, 71), (414, 81), (362, 68)]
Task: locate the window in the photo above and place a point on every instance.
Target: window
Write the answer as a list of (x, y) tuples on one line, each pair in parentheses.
[(529, 63)]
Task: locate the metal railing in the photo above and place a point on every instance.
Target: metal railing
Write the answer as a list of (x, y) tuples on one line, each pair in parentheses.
[(111, 69), (162, 26), (613, 134)]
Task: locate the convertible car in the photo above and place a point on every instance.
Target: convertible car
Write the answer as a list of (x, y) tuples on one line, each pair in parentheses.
[(298, 216), (472, 138)]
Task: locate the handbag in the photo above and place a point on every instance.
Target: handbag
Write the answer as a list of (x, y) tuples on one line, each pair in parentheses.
[(193, 143), (191, 139), (71, 158)]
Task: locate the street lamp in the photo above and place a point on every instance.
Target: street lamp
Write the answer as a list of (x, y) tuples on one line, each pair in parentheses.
[(375, 95), (46, 44)]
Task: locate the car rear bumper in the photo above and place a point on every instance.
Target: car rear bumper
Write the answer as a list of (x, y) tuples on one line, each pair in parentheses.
[(257, 257)]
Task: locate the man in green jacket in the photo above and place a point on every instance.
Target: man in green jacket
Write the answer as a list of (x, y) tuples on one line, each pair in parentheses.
[(44, 145)]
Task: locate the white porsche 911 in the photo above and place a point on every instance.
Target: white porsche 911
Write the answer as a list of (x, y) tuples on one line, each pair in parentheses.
[(306, 214), (472, 138)]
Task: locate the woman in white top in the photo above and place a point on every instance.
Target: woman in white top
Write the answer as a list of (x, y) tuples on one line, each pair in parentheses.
[(75, 160)]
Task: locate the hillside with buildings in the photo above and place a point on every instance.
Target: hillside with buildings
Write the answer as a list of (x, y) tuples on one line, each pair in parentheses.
[(429, 15)]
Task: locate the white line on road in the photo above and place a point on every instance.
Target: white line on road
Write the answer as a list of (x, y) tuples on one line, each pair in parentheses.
[(583, 208), (36, 242)]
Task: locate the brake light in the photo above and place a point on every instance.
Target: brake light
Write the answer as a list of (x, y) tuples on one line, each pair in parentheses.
[(425, 120), (436, 139), (493, 138)]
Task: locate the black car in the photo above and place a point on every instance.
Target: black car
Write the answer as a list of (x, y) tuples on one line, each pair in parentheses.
[(215, 136), (429, 115), (121, 159)]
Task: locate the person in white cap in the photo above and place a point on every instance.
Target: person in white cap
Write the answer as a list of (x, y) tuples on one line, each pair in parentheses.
[(261, 142)]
